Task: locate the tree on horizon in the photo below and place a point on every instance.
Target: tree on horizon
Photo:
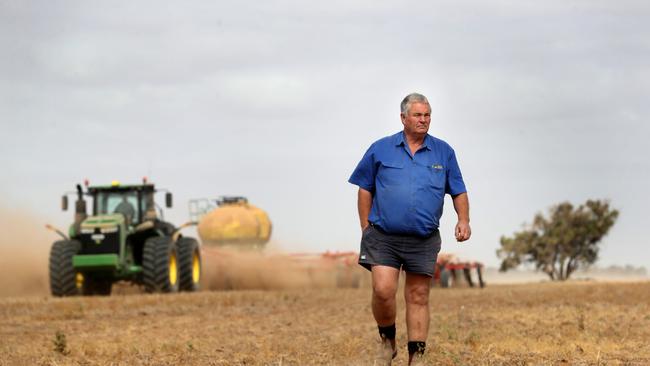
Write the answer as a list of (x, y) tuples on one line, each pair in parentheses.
[(561, 243)]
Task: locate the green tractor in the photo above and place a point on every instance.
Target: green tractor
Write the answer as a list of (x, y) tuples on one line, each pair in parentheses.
[(125, 238)]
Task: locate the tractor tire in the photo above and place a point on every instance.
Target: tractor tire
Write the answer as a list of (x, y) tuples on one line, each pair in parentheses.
[(63, 277), (445, 278), (189, 264), (160, 265)]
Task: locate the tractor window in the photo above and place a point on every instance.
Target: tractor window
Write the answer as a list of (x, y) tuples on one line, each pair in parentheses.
[(125, 203)]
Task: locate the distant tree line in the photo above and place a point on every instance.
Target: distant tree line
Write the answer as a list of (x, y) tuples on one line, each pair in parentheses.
[(627, 269), (561, 243)]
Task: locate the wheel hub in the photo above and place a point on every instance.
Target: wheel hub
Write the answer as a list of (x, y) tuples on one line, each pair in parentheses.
[(196, 268), (173, 269)]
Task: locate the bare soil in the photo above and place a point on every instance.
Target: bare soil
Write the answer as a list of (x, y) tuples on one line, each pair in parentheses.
[(578, 323), (269, 310)]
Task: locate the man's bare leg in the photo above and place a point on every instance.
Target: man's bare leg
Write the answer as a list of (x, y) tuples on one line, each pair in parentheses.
[(384, 289), (416, 294)]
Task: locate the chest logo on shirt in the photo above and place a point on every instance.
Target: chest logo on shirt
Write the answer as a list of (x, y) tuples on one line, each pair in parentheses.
[(437, 166)]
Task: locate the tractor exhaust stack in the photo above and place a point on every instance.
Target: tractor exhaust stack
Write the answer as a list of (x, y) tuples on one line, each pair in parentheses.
[(80, 213)]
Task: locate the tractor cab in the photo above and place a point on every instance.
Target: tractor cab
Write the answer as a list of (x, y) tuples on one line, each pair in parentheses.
[(134, 202)]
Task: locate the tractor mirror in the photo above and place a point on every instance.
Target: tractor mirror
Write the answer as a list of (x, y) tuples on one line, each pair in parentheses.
[(64, 203), (168, 200)]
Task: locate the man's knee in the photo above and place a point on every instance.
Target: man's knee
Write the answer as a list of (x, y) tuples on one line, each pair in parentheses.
[(384, 282), (384, 291), (417, 295)]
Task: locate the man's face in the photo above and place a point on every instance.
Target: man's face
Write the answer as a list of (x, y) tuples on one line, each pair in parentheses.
[(417, 119)]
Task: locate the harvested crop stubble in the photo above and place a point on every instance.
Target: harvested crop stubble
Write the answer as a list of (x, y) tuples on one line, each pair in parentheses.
[(548, 323)]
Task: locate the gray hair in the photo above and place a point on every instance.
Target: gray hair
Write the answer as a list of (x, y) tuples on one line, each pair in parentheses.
[(410, 99)]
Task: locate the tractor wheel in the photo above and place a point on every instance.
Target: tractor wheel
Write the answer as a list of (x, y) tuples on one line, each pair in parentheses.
[(189, 264), (160, 265), (64, 280), (445, 278)]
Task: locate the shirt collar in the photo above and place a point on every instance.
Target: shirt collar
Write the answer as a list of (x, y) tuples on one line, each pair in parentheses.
[(399, 140)]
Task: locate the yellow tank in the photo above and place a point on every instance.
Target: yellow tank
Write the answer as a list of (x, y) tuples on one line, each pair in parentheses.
[(235, 222)]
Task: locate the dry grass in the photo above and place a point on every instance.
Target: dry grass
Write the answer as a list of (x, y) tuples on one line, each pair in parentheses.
[(540, 324)]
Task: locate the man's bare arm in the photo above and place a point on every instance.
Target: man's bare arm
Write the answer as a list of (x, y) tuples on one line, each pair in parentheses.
[(364, 203), (461, 205)]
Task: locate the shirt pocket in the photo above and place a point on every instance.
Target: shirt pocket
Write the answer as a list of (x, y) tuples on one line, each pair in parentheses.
[(437, 178), (391, 173)]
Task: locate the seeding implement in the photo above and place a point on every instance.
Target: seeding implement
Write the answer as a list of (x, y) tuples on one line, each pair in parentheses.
[(452, 271)]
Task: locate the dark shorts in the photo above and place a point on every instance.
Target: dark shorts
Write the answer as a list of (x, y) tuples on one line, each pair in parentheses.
[(411, 253)]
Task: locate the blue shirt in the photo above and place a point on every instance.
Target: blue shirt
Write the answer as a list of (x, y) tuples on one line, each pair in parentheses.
[(408, 190)]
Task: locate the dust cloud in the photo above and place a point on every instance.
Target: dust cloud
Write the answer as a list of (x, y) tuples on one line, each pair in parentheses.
[(25, 244), (24, 252), (232, 269), (528, 276)]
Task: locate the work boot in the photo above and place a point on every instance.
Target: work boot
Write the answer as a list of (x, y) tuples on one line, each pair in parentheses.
[(418, 360), (385, 352), (416, 353)]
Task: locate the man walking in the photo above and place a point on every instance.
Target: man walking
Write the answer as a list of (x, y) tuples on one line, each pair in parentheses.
[(402, 182)]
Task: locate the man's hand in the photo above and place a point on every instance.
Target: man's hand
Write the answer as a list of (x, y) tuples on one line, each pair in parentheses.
[(364, 204), (364, 225), (463, 231), (461, 205)]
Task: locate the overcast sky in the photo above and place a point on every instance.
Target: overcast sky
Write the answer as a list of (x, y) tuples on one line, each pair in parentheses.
[(542, 101)]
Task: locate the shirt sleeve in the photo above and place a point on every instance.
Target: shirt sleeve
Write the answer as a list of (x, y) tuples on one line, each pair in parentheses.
[(455, 184), (365, 172)]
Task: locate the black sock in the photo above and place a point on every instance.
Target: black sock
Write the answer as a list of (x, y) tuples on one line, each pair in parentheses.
[(417, 347), (387, 332)]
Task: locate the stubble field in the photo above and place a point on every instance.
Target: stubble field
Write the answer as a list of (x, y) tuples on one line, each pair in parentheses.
[(301, 318), (577, 323)]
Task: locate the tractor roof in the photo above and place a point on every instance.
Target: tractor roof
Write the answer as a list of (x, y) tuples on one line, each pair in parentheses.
[(117, 187)]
